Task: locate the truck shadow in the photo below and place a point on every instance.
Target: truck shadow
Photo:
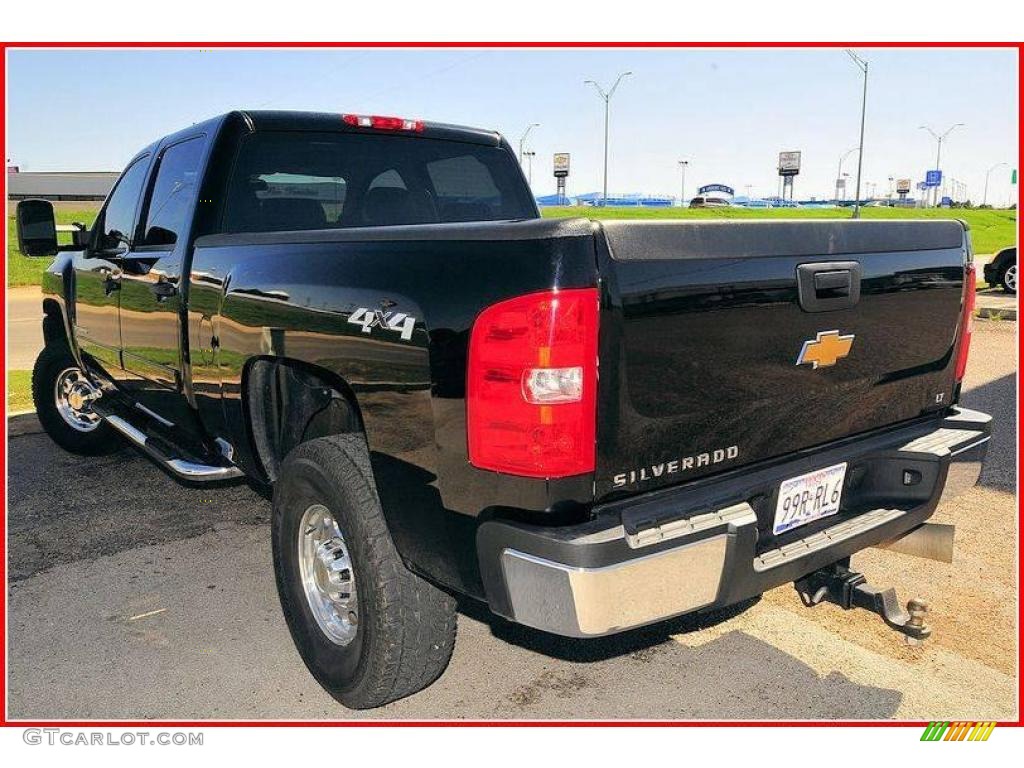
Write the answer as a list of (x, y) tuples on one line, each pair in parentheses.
[(732, 677), (998, 398), (115, 502), (635, 641)]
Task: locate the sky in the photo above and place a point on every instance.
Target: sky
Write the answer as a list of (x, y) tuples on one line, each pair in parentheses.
[(728, 112)]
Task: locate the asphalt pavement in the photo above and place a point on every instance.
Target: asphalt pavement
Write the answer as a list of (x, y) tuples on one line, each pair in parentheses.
[(132, 596), (24, 327)]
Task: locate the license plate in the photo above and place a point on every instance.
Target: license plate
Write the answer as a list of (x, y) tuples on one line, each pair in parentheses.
[(809, 497)]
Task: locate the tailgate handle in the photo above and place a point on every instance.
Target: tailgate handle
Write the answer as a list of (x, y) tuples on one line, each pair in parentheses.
[(828, 286)]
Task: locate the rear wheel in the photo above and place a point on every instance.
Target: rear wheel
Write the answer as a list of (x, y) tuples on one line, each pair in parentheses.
[(63, 397), (1009, 279), (368, 629)]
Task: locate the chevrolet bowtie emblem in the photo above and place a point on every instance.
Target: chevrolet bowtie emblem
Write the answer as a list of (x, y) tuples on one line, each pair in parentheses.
[(825, 349)]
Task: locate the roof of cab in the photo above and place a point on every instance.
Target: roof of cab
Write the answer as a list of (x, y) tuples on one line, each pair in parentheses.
[(331, 121)]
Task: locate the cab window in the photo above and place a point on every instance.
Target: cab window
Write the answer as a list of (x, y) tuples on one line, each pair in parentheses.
[(298, 180), (119, 215), (173, 192)]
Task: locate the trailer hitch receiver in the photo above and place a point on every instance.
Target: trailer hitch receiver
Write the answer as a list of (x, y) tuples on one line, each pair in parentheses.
[(850, 589)]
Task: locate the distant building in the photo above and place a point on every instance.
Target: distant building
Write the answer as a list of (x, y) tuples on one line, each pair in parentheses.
[(631, 199), (543, 200), (85, 185)]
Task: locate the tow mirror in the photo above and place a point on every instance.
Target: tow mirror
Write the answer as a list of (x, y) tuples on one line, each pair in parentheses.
[(37, 228)]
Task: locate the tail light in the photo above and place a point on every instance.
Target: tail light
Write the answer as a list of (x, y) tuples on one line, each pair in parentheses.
[(531, 388), (967, 321), (382, 123)]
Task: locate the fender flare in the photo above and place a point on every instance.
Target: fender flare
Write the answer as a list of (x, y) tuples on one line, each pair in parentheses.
[(288, 402)]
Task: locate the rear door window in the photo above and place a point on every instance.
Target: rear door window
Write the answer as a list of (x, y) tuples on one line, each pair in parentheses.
[(313, 180), (173, 193)]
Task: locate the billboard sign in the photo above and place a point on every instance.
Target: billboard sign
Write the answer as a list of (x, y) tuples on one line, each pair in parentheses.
[(789, 163), (841, 183), (715, 188), (903, 186), (561, 165), (933, 178)]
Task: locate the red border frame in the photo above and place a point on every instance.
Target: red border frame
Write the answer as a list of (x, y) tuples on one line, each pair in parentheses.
[(4, 722)]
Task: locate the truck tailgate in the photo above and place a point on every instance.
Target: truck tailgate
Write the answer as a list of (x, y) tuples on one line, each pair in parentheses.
[(705, 322)]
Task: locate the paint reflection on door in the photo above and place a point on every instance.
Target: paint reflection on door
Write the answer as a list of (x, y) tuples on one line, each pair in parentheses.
[(98, 272)]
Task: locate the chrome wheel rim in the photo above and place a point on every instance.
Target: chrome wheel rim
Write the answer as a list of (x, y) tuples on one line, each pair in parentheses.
[(328, 578), (74, 394), (1011, 278)]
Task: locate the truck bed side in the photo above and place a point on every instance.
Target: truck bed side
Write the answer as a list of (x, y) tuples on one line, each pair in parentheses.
[(294, 296)]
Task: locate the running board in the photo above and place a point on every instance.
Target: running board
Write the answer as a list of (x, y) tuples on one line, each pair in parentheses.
[(187, 470)]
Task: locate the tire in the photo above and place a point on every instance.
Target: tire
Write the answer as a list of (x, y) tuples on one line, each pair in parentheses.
[(87, 435), (1008, 279), (401, 629)]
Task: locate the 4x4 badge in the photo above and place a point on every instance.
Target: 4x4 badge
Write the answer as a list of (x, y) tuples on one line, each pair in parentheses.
[(378, 318), (825, 349)]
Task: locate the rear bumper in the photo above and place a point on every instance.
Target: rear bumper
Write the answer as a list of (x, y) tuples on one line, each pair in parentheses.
[(710, 544)]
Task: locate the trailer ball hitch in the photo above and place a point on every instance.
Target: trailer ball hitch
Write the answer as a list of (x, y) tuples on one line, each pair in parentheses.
[(850, 589)]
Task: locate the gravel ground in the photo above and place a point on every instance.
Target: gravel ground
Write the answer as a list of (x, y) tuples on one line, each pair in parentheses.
[(135, 597)]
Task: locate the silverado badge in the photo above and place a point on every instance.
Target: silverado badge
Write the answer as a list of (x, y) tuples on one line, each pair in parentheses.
[(825, 349)]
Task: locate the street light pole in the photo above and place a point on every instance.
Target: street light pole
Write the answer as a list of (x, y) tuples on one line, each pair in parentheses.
[(984, 197), (522, 141), (607, 102), (529, 165), (839, 173), (682, 182), (862, 65), (938, 153)]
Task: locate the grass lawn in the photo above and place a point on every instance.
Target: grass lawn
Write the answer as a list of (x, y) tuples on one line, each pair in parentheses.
[(991, 230), (19, 391), (22, 270)]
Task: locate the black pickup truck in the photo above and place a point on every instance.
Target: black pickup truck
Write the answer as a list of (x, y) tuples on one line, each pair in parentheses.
[(587, 426)]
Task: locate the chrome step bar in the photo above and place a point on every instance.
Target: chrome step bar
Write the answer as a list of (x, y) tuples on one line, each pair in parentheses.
[(826, 538), (187, 470)]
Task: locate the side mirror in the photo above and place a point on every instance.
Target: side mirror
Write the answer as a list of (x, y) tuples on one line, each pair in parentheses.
[(37, 228)]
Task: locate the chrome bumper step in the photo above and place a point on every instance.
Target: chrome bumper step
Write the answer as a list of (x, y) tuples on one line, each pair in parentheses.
[(826, 538), (637, 561)]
